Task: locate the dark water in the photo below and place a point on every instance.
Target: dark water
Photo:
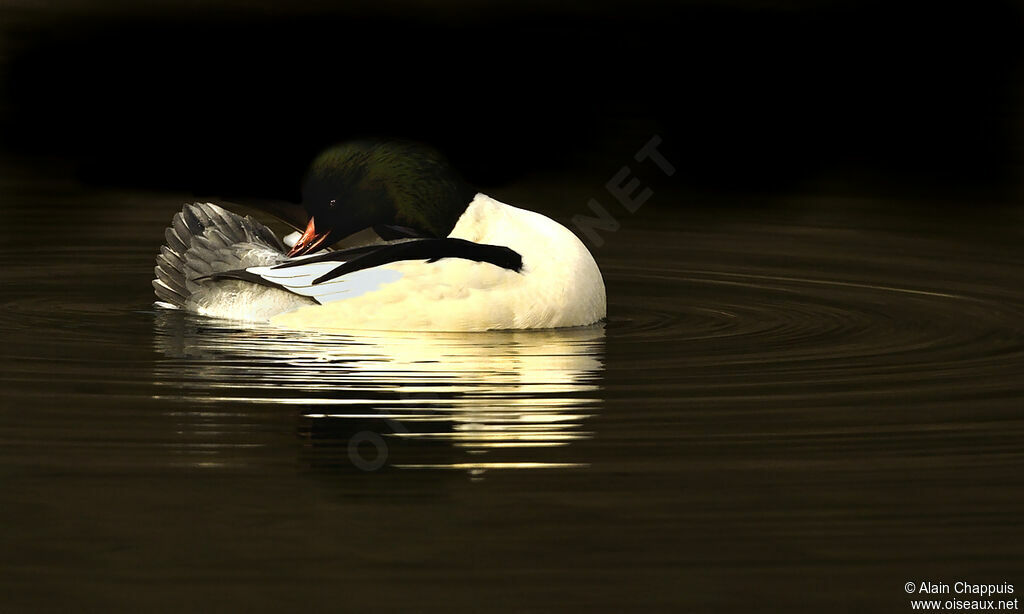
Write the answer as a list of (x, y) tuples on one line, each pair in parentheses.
[(795, 407)]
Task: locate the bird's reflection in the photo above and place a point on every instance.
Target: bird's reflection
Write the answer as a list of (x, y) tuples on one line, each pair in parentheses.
[(472, 402)]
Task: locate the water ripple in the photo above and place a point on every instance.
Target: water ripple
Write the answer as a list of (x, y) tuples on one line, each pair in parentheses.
[(510, 392)]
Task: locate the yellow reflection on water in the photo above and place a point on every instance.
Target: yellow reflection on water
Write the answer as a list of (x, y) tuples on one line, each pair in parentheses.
[(512, 394)]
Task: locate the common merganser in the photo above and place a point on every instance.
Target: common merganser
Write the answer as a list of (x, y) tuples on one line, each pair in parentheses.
[(451, 259)]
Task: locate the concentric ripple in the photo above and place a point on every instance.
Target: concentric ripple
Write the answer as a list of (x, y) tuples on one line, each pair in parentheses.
[(856, 330), (751, 314), (814, 341)]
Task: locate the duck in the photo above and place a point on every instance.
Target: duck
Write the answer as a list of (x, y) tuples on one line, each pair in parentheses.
[(444, 256)]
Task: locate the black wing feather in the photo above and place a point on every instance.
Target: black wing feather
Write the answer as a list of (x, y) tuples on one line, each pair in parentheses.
[(430, 250)]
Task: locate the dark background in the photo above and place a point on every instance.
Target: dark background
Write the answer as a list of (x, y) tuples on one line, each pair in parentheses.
[(909, 99), (797, 404)]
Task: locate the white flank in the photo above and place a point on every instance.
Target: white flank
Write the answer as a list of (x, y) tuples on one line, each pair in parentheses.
[(559, 285)]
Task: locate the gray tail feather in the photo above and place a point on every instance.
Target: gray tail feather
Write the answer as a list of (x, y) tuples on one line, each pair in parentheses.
[(204, 239)]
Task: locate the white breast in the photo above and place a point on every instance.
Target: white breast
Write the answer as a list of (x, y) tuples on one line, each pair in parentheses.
[(559, 285)]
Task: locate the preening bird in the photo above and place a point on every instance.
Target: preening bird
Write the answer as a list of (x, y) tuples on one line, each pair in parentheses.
[(450, 258)]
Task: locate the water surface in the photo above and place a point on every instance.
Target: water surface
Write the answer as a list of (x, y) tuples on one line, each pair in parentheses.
[(795, 407)]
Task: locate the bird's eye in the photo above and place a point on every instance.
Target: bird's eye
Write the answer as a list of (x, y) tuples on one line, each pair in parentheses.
[(332, 204)]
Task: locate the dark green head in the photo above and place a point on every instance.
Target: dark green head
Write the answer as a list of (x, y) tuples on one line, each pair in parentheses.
[(363, 184)]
